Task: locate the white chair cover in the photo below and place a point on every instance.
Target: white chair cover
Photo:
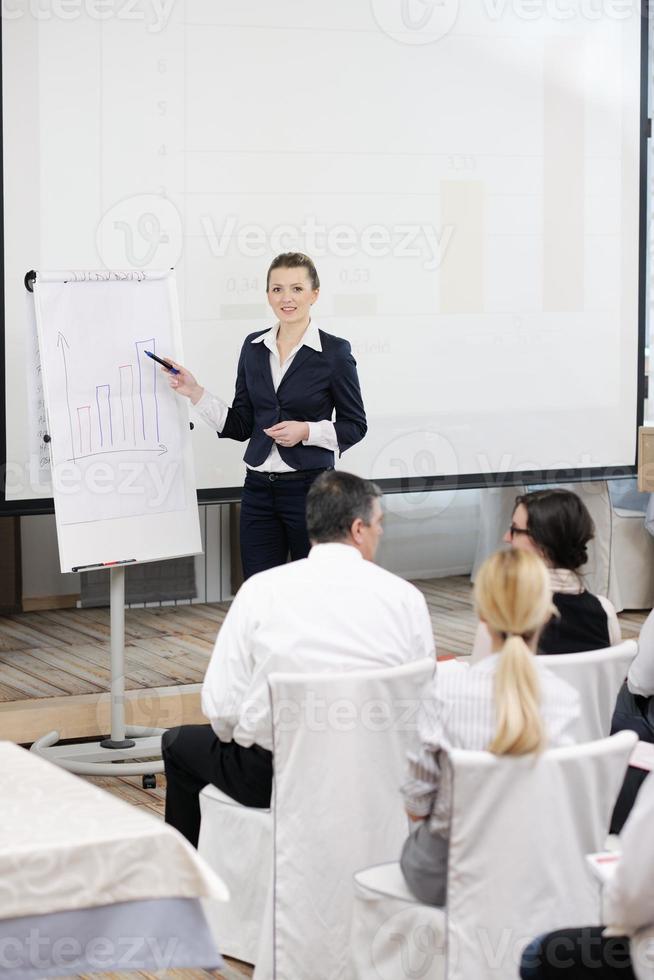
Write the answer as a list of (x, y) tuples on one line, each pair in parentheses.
[(340, 744), (642, 953), (521, 829), (394, 937), (237, 840), (598, 676)]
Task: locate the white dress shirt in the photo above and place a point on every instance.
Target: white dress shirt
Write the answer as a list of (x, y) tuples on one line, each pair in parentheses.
[(460, 714), (213, 410), (332, 611), (640, 679), (628, 898)]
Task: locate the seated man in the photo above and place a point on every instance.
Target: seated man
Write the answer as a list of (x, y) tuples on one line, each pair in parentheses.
[(335, 610)]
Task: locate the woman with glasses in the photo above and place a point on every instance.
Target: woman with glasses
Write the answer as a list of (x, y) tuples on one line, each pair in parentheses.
[(508, 704), (556, 525)]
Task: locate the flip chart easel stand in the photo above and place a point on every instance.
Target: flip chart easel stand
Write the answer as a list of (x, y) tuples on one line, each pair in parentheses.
[(111, 756)]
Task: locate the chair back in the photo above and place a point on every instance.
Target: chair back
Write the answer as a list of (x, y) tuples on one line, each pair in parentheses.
[(521, 828), (598, 676), (340, 743)]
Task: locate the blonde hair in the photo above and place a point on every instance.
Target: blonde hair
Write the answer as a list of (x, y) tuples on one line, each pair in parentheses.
[(513, 597)]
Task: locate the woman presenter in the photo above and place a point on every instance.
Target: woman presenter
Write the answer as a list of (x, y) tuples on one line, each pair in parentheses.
[(291, 379)]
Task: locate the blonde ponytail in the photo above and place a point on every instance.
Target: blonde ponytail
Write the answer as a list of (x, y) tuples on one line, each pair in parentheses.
[(513, 597), (517, 702)]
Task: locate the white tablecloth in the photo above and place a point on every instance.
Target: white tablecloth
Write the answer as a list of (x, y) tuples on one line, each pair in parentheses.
[(66, 844), (158, 934)]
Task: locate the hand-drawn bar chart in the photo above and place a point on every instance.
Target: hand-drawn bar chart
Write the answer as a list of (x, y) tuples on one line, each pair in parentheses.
[(117, 429), (130, 396)]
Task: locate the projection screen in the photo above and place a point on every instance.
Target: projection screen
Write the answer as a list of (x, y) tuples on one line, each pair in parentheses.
[(469, 179)]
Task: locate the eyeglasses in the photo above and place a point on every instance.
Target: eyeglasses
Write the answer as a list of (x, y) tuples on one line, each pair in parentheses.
[(513, 530)]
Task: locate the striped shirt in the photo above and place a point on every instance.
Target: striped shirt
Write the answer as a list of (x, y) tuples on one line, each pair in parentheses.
[(460, 713)]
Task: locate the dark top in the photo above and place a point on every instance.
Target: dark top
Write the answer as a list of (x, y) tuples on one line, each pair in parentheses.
[(581, 625), (316, 383)]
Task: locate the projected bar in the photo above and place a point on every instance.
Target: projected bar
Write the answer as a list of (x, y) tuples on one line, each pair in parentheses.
[(563, 175), (462, 269)]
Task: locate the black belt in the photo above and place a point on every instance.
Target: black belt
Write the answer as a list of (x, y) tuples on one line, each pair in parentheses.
[(293, 475)]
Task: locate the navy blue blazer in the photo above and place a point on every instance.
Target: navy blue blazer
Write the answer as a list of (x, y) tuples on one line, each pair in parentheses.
[(316, 383)]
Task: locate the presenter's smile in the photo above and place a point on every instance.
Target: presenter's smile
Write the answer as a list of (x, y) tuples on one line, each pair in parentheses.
[(291, 296)]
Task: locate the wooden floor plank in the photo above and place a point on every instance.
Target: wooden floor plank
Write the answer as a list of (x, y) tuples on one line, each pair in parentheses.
[(68, 674), (32, 684), (77, 619), (171, 645), (71, 661), (51, 632)]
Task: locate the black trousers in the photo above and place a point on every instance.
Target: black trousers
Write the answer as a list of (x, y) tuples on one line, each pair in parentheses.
[(273, 520), (632, 712), (193, 757), (577, 954)]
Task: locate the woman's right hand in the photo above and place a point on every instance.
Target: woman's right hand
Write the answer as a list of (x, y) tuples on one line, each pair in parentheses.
[(183, 383)]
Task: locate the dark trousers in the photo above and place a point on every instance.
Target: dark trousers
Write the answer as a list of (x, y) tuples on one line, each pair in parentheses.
[(273, 520), (632, 712), (578, 954), (193, 757)]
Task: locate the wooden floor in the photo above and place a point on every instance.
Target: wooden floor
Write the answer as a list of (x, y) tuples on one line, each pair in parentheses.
[(59, 652), (66, 653)]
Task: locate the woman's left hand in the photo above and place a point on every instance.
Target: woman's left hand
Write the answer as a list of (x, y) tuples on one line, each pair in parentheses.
[(288, 434)]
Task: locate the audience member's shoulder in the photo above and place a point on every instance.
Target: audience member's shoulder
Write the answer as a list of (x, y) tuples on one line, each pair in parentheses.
[(275, 578), (390, 581)]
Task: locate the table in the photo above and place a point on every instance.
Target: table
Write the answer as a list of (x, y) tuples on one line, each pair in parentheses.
[(89, 882)]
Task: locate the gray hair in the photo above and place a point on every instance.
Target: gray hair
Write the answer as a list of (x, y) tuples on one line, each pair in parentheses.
[(335, 501)]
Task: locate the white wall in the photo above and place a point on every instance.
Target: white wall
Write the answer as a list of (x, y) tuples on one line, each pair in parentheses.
[(430, 535)]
